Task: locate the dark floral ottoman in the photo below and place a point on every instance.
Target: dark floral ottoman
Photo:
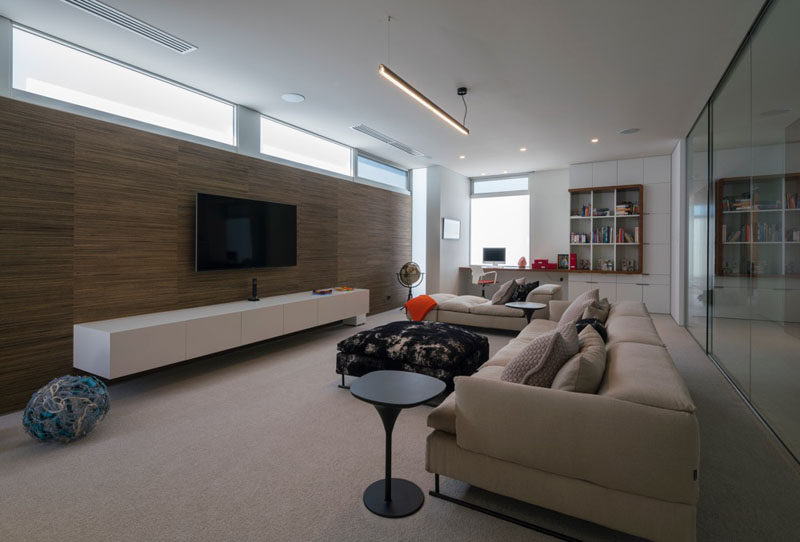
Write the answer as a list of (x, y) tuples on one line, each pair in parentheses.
[(430, 348)]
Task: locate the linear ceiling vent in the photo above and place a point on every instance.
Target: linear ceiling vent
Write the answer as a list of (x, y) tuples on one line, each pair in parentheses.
[(364, 129), (133, 24)]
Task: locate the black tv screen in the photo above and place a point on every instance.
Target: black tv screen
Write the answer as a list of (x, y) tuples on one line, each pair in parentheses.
[(494, 255), (234, 233)]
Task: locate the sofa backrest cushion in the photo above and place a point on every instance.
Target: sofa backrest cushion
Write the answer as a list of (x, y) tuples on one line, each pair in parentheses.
[(645, 374), (598, 310), (578, 305), (583, 372), (632, 329), (504, 293)]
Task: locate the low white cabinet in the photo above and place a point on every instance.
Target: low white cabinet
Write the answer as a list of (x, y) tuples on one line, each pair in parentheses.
[(124, 346)]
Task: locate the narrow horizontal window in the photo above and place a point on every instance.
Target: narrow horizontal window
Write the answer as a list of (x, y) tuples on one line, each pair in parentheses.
[(295, 145), (379, 172), (492, 186), (54, 70)]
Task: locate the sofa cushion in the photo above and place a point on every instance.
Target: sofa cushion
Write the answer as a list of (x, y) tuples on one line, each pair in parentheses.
[(507, 353), (536, 328), (578, 305), (597, 310), (488, 309), (569, 334), (522, 291), (504, 293), (443, 417), (632, 329), (583, 372), (645, 374), (461, 303), (628, 308), (595, 323), (532, 359), (441, 298), (549, 290)]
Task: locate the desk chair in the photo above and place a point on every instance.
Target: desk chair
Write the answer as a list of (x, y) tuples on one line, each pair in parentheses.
[(482, 279)]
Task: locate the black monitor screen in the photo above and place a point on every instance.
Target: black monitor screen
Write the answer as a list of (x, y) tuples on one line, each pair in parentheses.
[(494, 255), (233, 233)]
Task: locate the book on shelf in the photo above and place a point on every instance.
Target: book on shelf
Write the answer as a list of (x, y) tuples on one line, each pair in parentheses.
[(791, 201), (636, 235)]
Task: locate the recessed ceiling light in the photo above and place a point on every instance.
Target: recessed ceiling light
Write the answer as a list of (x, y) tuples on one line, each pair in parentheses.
[(461, 156), (483, 174), (775, 112), (628, 131), (595, 140), (505, 171), (293, 98), (523, 149)]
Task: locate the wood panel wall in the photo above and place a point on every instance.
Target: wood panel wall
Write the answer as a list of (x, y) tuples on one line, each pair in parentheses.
[(97, 222)]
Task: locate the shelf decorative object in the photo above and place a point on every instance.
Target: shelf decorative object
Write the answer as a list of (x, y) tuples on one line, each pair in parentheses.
[(606, 228), (757, 226)]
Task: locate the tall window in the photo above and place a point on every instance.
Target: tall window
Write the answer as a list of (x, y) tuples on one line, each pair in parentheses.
[(380, 172), (48, 68), (289, 143), (500, 218)]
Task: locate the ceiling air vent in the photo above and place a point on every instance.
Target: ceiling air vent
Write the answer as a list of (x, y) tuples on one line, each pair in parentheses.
[(364, 129), (133, 24)]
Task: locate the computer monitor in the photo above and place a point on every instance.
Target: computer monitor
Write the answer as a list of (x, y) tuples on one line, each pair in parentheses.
[(494, 255)]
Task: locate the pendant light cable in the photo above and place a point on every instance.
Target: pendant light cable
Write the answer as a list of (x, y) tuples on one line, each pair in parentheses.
[(464, 122), (388, 44)]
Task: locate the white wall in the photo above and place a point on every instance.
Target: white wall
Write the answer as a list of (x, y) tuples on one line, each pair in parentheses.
[(549, 195), (448, 196), (419, 230), (5, 57), (678, 220)]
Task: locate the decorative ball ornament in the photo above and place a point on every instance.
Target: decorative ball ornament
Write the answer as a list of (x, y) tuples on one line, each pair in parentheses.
[(66, 409)]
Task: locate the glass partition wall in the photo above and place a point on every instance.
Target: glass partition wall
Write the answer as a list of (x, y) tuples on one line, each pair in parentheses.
[(743, 259)]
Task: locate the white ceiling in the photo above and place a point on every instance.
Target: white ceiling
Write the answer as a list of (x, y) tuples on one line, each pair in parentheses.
[(545, 74)]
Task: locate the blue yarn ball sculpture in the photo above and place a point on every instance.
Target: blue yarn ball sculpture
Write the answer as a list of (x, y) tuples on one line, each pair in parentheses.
[(66, 409)]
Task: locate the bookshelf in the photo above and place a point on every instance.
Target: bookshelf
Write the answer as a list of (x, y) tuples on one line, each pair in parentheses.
[(606, 230), (757, 226)]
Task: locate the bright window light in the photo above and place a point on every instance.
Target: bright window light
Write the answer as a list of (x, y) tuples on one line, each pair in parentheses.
[(379, 172), (47, 68), (295, 145), (500, 222), (491, 186)]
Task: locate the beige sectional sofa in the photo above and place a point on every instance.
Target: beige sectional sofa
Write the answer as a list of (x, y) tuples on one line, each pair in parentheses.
[(471, 310), (625, 457)]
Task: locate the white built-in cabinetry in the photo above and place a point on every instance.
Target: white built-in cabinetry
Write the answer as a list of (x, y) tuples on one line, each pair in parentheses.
[(124, 346), (653, 285)]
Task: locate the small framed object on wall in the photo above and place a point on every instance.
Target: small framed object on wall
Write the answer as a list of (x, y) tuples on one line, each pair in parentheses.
[(563, 261), (451, 228)]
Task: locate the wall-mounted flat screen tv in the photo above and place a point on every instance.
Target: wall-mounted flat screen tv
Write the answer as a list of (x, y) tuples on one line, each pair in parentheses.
[(234, 233)]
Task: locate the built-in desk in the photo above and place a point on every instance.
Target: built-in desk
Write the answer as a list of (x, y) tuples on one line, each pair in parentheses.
[(124, 346)]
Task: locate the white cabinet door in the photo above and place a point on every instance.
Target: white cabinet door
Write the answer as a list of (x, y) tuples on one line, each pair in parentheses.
[(341, 306), (657, 169), (629, 292), (657, 198), (656, 297), (656, 227), (213, 334), (578, 286), (299, 315), (606, 284), (580, 176), (146, 348), (630, 171), (656, 259), (262, 324), (604, 173)]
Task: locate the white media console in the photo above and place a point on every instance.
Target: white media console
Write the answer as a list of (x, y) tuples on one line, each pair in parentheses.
[(124, 346)]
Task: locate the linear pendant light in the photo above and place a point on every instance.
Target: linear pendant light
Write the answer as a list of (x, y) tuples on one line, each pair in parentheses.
[(398, 81)]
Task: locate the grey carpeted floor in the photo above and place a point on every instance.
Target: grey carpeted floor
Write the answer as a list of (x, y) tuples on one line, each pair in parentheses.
[(261, 444)]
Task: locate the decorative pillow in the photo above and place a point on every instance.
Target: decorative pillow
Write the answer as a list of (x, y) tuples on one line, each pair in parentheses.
[(598, 310), (538, 363), (504, 293), (569, 334), (576, 308), (583, 373), (521, 294), (596, 324)]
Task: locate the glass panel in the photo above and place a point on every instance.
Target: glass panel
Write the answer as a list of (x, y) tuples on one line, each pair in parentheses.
[(295, 145), (775, 343), (490, 186), (44, 67), (732, 235), (501, 221), (697, 205), (382, 173)]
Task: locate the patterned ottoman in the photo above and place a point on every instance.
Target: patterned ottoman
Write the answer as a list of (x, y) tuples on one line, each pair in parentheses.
[(430, 348)]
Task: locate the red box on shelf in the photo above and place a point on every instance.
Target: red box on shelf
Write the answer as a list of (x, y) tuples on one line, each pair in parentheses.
[(540, 262), (552, 265), (573, 261)]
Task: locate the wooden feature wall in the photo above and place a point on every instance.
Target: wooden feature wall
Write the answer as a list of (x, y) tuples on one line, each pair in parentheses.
[(97, 222)]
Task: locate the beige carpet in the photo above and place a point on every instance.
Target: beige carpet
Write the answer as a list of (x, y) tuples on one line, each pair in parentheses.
[(260, 444)]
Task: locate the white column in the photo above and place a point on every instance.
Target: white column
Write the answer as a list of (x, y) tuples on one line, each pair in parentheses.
[(5, 56)]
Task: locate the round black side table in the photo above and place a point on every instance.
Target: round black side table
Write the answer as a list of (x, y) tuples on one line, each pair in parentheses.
[(528, 307), (390, 392)]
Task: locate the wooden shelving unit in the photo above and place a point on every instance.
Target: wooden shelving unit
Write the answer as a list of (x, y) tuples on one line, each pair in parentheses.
[(604, 250), (755, 226)]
